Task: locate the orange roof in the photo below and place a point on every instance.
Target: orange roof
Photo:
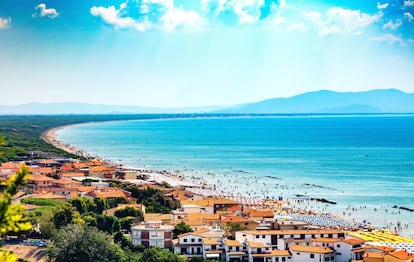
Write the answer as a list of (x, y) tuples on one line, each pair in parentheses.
[(47, 196), (98, 168), (66, 182), (274, 253), (310, 249), (46, 170), (257, 213), (39, 178), (380, 248), (253, 244), (78, 174), (203, 216), (353, 241), (293, 232), (327, 240), (107, 192), (401, 254), (234, 219), (373, 255), (85, 189), (210, 241), (232, 243)]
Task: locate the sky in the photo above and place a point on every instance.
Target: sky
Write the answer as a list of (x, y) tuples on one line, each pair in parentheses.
[(185, 53)]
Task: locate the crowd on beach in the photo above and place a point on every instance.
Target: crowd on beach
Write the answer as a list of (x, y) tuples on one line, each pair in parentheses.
[(250, 189)]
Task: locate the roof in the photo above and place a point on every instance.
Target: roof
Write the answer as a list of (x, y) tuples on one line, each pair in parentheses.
[(107, 192), (210, 241), (401, 254), (66, 182), (373, 255), (203, 216), (292, 232), (380, 248), (156, 216), (253, 244), (48, 162), (234, 219), (274, 253), (77, 174), (39, 178), (353, 241), (311, 249), (232, 243), (209, 202), (257, 213), (327, 240)]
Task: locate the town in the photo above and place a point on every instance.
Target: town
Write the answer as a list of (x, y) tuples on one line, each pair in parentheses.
[(168, 212)]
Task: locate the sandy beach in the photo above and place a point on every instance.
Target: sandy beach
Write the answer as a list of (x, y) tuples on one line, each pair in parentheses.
[(222, 185)]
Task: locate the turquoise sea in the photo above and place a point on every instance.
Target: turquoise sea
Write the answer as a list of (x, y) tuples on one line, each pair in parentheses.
[(356, 161)]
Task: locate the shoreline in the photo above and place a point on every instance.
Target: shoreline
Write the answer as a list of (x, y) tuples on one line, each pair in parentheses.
[(198, 183)]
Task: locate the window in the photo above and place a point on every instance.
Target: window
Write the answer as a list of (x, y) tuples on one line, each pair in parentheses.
[(192, 240), (312, 255), (338, 245), (213, 247), (154, 233), (263, 236), (283, 259), (185, 240), (199, 240), (257, 236), (277, 259)]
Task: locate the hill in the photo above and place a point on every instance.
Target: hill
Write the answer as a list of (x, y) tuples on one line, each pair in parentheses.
[(325, 101)]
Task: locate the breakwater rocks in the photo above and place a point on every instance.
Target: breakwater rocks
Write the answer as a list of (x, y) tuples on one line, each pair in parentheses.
[(404, 208), (323, 200)]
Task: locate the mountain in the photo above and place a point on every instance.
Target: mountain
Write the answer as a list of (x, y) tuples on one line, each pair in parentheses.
[(325, 101), (84, 108)]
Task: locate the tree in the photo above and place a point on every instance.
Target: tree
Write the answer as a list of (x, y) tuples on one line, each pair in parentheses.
[(13, 218), (156, 254), (108, 224), (129, 212), (83, 204), (83, 243), (43, 219), (181, 228), (66, 214)]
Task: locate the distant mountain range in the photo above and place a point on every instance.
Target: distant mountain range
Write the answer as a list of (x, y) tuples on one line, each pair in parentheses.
[(324, 101)]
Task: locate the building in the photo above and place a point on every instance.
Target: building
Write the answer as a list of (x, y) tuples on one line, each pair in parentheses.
[(312, 253), (153, 234)]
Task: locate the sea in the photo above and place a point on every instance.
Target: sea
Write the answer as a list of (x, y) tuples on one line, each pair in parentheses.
[(364, 163)]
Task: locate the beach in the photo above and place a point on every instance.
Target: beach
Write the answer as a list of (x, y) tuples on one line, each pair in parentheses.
[(242, 182)]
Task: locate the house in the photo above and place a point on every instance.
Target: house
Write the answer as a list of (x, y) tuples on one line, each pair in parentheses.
[(189, 244), (152, 233), (39, 182), (281, 239), (260, 215), (399, 256), (233, 250), (311, 253), (107, 192)]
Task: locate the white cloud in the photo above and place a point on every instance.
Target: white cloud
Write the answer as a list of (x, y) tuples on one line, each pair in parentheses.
[(388, 38), (110, 15), (42, 11), (144, 14), (408, 16), (177, 17), (338, 20), (382, 6), (5, 23), (408, 3), (392, 25)]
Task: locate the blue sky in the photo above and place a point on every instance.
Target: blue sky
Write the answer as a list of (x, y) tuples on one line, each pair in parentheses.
[(179, 53)]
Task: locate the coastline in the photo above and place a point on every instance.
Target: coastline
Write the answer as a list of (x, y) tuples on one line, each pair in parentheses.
[(208, 188)]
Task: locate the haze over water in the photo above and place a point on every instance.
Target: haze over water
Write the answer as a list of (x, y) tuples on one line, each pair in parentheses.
[(353, 160)]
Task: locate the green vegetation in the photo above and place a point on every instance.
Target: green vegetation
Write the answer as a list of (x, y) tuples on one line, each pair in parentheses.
[(13, 218), (42, 202), (181, 228)]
